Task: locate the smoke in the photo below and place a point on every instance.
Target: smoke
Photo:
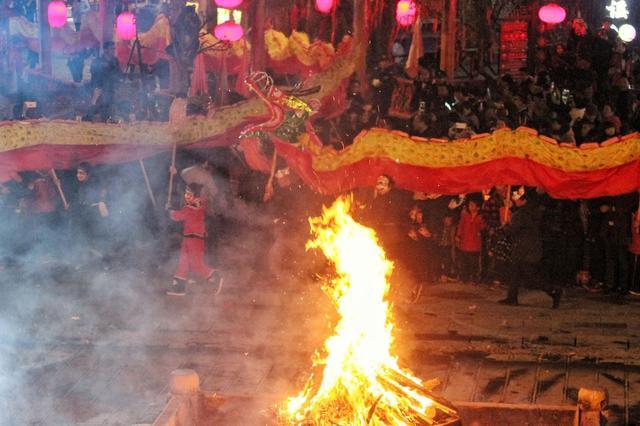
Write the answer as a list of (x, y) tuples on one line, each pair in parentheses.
[(86, 332)]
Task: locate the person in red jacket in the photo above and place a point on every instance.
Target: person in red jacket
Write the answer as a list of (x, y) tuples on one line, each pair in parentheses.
[(469, 240), (192, 250)]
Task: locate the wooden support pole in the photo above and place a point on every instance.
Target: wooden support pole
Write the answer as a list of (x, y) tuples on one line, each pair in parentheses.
[(5, 66), (453, 32), (45, 37), (146, 181), (102, 15), (448, 39), (107, 18), (258, 49), (360, 40), (56, 181)]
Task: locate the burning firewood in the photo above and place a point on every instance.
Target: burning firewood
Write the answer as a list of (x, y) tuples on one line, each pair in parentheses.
[(361, 382)]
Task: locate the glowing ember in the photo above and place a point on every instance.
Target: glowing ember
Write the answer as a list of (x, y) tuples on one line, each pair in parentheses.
[(362, 382)]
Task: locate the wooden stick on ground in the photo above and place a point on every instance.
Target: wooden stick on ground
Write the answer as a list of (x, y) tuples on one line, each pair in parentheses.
[(173, 166), (146, 181), (60, 191)]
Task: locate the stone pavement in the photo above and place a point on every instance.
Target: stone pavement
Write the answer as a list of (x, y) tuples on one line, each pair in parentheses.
[(97, 349)]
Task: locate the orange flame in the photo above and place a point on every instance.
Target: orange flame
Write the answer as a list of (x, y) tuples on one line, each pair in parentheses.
[(358, 356)]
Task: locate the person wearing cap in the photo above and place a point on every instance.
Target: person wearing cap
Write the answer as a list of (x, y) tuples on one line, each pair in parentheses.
[(214, 202), (192, 249)]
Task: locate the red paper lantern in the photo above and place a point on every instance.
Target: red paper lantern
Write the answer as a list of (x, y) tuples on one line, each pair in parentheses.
[(228, 4), (406, 12), (57, 14), (126, 26), (229, 31), (552, 13), (324, 6)]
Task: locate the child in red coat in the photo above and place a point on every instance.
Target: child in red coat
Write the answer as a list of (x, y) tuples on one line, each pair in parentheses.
[(469, 241), (192, 250)]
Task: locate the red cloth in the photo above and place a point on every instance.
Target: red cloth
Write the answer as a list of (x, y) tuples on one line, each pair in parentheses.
[(254, 156), (192, 218), (463, 179), (469, 232), (38, 157), (192, 259)]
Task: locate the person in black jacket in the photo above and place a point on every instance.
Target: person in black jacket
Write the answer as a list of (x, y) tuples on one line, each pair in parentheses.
[(525, 232), (615, 234), (88, 209)]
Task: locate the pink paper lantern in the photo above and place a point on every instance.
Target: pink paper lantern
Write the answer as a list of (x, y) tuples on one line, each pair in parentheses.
[(324, 6), (228, 4), (552, 13), (57, 14), (406, 12), (229, 31), (126, 26)]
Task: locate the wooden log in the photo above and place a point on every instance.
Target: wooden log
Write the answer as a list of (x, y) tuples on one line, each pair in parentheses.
[(391, 383), (389, 414)]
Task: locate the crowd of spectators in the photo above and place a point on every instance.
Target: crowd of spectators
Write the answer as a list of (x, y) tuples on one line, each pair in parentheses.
[(573, 96), (581, 92)]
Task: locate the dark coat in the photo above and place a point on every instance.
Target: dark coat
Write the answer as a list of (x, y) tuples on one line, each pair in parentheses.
[(525, 231)]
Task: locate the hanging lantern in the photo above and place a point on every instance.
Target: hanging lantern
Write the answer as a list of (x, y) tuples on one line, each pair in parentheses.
[(229, 31), (126, 26), (57, 14), (627, 33), (405, 12), (228, 4), (324, 6), (552, 13)]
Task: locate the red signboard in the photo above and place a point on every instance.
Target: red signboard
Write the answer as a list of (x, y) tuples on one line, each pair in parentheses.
[(514, 38)]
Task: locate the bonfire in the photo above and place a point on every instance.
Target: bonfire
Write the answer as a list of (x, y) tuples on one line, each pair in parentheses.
[(361, 383)]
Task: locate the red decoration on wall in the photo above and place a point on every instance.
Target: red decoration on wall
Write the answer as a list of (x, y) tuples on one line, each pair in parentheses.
[(228, 4), (324, 6), (552, 13), (57, 14), (514, 41), (229, 31), (406, 12), (126, 26)]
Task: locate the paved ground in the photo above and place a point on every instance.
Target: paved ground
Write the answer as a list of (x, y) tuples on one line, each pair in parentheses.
[(80, 347)]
